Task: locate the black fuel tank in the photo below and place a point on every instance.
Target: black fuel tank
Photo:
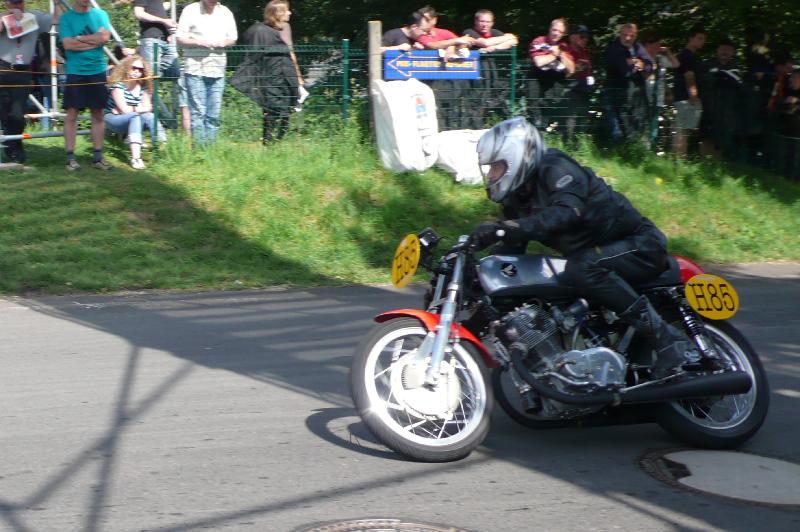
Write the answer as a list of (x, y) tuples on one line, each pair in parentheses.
[(523, 276)]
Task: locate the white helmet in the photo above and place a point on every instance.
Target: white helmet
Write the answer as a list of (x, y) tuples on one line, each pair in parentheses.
[(508, 154)]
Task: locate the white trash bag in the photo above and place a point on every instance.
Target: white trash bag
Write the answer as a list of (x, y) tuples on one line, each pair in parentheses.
[(458, 154), (405, 124)]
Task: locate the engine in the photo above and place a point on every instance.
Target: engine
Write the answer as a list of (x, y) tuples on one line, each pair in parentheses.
[(540, 332)]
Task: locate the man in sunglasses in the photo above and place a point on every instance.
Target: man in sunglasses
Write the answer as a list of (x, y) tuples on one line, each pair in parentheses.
[(18, 37)]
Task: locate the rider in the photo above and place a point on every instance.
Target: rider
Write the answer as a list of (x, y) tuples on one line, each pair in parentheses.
[(547, 196)]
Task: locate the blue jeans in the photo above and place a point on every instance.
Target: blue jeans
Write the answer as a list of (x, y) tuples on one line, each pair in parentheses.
[(133, 124), (205, 102), (169, 66)]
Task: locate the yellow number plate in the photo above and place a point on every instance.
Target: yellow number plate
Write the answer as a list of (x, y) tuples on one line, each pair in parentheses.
[(406, 260), (712, 296)]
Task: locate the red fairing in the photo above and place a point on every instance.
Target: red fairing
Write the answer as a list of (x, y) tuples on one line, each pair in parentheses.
[(689, 268), (430, 321)]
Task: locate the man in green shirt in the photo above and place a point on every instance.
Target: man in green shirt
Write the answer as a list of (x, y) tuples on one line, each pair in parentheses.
[(84, 31)]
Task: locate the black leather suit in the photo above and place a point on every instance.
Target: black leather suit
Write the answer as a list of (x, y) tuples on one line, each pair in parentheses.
[(606, 241)]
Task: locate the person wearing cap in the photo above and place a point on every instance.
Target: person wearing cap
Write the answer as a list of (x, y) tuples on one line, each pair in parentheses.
[(16, 54), (582, 81), (551, 65)]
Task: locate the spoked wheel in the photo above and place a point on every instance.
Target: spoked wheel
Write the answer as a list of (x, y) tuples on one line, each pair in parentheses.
[(436, 424), (723, 421)]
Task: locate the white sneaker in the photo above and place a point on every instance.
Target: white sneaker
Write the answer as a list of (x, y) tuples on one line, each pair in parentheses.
[(137, 164)]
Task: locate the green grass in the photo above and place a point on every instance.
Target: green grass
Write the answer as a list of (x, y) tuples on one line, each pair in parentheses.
[(318, 209)]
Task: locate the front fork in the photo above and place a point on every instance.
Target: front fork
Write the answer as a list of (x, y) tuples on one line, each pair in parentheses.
[(445, 326)]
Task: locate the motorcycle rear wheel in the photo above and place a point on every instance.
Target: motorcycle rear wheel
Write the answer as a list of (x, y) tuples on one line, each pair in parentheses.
[(722, 422), (438, 425)]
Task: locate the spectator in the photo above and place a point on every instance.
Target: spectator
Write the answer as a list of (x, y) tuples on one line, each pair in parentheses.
[(756, 90), (84, 31), (686, 91), (205, 29), (783, 68), (405, 37), (130, 106), (156, 32), (582, 84), (16, 78), (270, 77), (449, 93), (721, 95), (627, 67), (789, 108), (551, 64), (286, 35), (489, 92), (656, 83), (486, 37)]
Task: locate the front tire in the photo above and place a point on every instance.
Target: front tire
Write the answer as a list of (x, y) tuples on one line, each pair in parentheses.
[(722, 422), (438, 425)]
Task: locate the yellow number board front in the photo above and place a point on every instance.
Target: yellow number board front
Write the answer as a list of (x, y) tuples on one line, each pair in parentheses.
[(712, 297), (405, 262)]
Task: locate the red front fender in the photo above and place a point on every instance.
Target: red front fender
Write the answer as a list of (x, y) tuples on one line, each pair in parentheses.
[(430, 321)]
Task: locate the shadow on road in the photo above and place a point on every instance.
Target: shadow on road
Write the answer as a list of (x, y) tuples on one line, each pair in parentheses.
[(301, 340)]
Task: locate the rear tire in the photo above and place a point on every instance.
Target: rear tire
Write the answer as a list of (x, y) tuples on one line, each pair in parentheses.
[(728, 421), (403, 415)]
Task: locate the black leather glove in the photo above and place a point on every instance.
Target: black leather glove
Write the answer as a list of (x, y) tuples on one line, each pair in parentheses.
[(485, 235)]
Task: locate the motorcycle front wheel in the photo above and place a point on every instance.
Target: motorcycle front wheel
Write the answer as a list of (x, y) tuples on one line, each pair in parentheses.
[(722, 422), (437, 424)]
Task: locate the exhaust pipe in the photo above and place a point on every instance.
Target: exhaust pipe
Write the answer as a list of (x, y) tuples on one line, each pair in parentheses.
[(732, 383)]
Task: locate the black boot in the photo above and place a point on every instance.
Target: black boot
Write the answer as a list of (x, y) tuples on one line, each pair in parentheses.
[(673, 349), (266, 135)]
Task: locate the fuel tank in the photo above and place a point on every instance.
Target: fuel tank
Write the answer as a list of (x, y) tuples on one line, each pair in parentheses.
[(538, 276), (523, 275)]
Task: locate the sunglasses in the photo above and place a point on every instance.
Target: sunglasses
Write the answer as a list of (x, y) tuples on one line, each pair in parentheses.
[(140, 69)]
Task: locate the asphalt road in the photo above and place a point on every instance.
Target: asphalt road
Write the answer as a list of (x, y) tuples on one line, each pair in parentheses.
[(231, 411)]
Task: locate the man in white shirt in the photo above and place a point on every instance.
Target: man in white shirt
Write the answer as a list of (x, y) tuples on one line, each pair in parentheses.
[(205, 29)]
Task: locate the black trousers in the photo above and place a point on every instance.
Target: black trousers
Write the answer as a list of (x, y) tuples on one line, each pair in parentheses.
[(14, 104), (603, 273)]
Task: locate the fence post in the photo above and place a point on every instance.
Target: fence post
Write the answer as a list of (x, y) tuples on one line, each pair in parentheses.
[(345, 78), (156, 98), (513, 89), (375, 58)]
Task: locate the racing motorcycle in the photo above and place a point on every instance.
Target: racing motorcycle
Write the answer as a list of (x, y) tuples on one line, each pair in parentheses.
[(421, 379)]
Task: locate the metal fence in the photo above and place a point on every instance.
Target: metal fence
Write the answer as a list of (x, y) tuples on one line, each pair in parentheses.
[(336, 76)]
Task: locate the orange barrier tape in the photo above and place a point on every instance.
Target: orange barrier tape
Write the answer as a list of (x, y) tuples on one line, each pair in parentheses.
[(68, 84)]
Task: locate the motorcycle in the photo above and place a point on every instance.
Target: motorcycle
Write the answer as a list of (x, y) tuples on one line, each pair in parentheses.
[(421, 379)]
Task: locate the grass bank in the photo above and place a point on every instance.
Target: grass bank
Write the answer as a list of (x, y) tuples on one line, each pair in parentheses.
[(318, 209)]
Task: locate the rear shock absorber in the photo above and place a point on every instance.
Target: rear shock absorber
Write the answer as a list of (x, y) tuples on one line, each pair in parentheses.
[(694, 325)]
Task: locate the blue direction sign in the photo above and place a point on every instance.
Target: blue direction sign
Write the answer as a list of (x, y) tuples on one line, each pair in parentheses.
[(426, 64)]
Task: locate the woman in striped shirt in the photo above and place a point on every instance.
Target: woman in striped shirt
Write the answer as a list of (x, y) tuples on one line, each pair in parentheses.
[(130, 107)]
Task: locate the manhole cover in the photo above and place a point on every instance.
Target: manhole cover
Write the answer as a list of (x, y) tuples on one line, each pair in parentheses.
[(733, 475), (379, 525)]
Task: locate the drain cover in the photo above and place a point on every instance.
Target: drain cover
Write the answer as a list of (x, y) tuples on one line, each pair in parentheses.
[(379, 525), (740, 476)]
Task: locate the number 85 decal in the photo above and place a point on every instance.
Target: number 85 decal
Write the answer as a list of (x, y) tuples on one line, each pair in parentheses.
[(712, 297)]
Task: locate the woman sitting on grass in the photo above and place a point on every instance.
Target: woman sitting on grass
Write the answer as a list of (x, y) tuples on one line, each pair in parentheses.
[(130, 107)]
